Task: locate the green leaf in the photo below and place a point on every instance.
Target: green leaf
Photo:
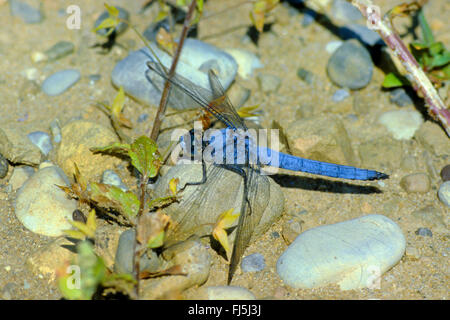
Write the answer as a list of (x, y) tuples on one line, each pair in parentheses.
[(156, 241), (127, 203), (84, 230), (113, 11), (392, 80), (436, 48), (418, 45), (440, 60), (108, 23), (145, 157), (426, 30)]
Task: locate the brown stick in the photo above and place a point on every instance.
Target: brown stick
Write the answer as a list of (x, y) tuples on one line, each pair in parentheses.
[(165, 94)]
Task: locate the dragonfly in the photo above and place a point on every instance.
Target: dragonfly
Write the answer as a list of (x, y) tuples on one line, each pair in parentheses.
[(255, 185)]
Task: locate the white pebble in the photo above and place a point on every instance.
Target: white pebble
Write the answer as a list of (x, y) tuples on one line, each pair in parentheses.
[(402, 124), (247, 62)]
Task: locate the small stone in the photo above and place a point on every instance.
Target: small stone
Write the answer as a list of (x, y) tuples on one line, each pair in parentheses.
[(223, 293), (112, 178), (402, 124), (79, 216), (424, 232), (412, 253), (253, 263), (332, 46), (120, 28), (41, 140), (309, 16), (352, 254), (15, 145), (56, 131), (360, 33), (416, 183), (20, 175), (26, 12), (433, 139), (41, 206), (152, 30), (400, 97), (345, 11), (291, 229), (275, 235), (431, 217), (350, 66), (94, 78), (268, 82), (444, 193), (60, 81), (77, 139), (445, 173), (340, 95), (305, 75), (31, 74), (60, 50), (246, 60), (3, 166)]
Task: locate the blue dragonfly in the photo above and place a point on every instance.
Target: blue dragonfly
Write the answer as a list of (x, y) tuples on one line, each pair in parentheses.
[(256, 185)]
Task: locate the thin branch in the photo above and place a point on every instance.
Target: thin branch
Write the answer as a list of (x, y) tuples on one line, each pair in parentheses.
[(414, 73)]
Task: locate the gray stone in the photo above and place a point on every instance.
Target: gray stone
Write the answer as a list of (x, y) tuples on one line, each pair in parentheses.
[(361, 33), (60, 81), (253, 263), (220, 195), (56, 131), (112, 178), (345, 11), (41, 140), (445, 173), (41, 206), (350, 66), (352, 254), (402, 124), (152, 30), (444, 193), (309, 16), (340, 95), (60, 50), (120, 28), (26, 12), (133, 74), (332, 46), (400, 97), (305, 75), (424, 232)]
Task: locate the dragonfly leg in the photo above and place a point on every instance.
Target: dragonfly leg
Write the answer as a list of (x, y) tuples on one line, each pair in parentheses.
[(198, 182)]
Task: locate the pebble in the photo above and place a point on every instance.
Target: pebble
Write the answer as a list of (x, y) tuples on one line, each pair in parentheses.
[(19, 176), (223, 293), (431, 217), (291, 229), (195, 261), (268, 82), (444, 193), (246, 60), (123, 261), (120, 28), (305, 75), (41, 206), (424, 232), (416, 183), (351, 254), (431, 136), (60, 81), (400, 97), (15, 145), (144, 85), (55, 130), (221, 197), (253, 263), (94, 78), (143, 117), (401, 124), (345, 11), (77, 138), (445, 173), (340, 95), (60, 50), (332, 46), (350, 66), (3, 166), (309, 16), (152, 30), (322, 137), (360, 33), (112, 178), (26, 12), (41, 140)]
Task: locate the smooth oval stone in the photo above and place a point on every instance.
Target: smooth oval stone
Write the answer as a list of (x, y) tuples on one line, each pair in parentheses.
[(41, 206), (340, 95), (223, 193), (60, 81), (416, 183), (26, 12), (350, 66), (345, 11), (60, 50), (121, 26), (402, 124), (352, 253), (444, 193), (41, 140), (146, 86), (112, 178), (400, 97), (445, 173)]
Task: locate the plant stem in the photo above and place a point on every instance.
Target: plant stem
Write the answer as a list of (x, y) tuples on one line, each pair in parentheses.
[(415, 74), (165, 94)]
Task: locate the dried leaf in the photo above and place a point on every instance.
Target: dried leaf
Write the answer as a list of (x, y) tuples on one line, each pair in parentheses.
[(226, 220), (151, 229), (165, 41), (245, 112)]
